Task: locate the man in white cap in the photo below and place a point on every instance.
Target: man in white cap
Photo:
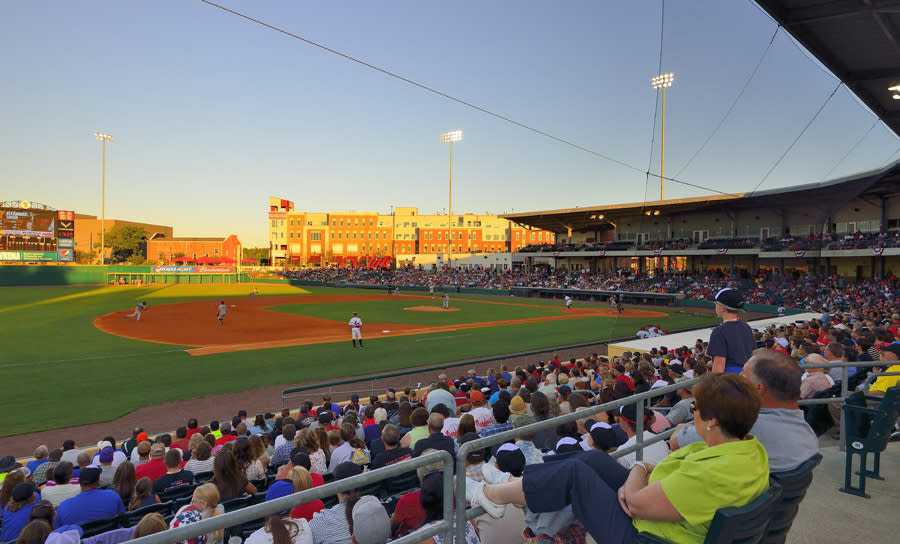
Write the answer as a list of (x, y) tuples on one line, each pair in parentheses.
[(732, 342)]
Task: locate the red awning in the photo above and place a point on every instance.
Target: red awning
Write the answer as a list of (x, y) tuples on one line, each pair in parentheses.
[(314, 259)]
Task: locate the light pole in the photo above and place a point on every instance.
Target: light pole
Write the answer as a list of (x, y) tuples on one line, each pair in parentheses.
[(452, 136), (661, 82), (103, 137)]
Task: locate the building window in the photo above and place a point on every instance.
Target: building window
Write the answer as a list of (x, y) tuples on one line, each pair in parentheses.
[(315, 236), (339, 236)]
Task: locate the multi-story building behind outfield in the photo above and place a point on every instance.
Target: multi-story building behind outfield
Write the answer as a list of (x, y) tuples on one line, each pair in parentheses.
[(404, 237)]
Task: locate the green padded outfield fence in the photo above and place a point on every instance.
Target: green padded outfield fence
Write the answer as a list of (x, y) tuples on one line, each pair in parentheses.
[(36, 275)]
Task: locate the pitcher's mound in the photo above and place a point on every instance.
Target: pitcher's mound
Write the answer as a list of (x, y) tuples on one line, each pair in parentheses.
[(430, 309)]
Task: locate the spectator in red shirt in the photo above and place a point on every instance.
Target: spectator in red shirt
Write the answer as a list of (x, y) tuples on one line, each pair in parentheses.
[(156, 466), (182, 440)]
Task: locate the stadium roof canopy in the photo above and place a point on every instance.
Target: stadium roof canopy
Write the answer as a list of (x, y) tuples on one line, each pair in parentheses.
[(823, 198), (858, 40)]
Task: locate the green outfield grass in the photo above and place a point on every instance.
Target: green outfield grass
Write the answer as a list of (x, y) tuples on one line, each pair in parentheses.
[(60, 371)]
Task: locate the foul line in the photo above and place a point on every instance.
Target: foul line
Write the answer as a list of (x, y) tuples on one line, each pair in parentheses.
[(10, 365), (442, 337)]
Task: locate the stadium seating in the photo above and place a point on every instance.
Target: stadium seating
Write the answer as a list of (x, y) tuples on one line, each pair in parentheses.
[(794, 484), (868, 431)]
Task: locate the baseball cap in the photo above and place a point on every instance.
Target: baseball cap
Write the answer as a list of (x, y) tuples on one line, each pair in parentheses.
[(781, 341), (517, 405), (6, 462), (157, 450), (567, 444), (22, 491), (603, 436), (107, 454), (629, 413), (104, 444), (730, 298), (510, 459), (371, 524), (346, 470), (278, 489), (354, 397), (892, 347), (89, 476), (476, 396), (301, 459), (141, 437), (325, 417)]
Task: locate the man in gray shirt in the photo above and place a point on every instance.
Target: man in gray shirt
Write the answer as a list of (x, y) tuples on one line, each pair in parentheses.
[(780, 427), (681, 412)]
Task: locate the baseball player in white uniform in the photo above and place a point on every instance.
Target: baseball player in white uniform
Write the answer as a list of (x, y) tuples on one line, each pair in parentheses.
[(568, 302), (137, 310), (220, 314), (446, 302), (356, 329)]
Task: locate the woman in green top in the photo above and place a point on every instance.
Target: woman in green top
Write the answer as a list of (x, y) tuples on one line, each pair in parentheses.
[(677, 498)]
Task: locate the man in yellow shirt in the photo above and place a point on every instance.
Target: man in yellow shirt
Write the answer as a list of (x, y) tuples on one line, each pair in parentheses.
[(891, 354)]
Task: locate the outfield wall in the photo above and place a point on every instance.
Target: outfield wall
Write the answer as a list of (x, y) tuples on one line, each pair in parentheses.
[(15, 276)]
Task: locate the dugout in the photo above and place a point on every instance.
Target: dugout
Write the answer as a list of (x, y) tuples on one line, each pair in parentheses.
[(146, 278)]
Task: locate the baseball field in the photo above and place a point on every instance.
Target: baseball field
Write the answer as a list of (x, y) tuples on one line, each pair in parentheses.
[(70, 356)]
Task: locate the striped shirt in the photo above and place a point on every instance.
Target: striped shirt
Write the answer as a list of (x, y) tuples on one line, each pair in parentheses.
[(330, 526)]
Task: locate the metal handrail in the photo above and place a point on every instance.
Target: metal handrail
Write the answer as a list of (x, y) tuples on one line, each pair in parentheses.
[(274, 506), (499, 438)]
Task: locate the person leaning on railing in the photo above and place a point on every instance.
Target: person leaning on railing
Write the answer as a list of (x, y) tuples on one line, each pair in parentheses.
[(677, 498)]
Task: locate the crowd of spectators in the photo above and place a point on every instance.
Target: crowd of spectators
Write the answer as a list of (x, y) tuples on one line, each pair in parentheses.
[(284, 453)]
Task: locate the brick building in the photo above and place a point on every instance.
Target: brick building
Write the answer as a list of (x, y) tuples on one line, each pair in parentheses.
[(298, 238), (165, 249)]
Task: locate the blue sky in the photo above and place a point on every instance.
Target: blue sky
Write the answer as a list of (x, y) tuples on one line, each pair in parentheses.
[(212, 114)]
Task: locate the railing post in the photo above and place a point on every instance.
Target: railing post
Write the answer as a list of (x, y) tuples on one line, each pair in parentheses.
[(845, 371), (639, 430), (461, 454), (448, 502)]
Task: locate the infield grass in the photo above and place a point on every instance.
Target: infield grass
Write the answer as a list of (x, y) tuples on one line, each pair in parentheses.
[(60, 371)]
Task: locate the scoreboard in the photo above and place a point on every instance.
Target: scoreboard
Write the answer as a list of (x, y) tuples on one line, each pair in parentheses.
[(34, 234)]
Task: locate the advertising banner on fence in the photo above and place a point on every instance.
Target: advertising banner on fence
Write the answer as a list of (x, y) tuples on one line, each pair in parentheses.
[(28, 256), (192, 269), (65, 255), (66, 242)]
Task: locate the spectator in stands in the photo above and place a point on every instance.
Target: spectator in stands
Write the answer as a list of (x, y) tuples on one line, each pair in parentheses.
[(301, 480), (44, 471), (730, 469), (247, 459), (480, 411), (681, 411), (283, 452), (92, 503), (371, 524), (431, 497), (732, 342), (141, 454), (391, 405), (16, 512), (419, 421), (332, 525), (436, 439), (40, 456), (175, 476), (156, 466), (814, 379), (137, 436), (107, 469), (540, 405), (835, 352), (781, 427), (307, 440), (439, 394), (204, 505), (890, 354), (627, 419), (201, 458), (124, 481), (63, 488), (181, 441), (150, 524), (393, 451), (70, 452), (143, 494), (280, 528), (352, 449), (501, 422), (261, 427), (228, 478), (228, 434)]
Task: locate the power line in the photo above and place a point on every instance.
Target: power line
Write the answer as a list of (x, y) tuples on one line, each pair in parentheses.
[(662, 26), (733, 104), (802, 132), (453, 98), (851, 150)]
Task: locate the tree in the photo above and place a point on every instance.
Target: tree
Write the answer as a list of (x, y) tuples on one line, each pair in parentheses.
[(258, 254), (126, 241), (84, 257)]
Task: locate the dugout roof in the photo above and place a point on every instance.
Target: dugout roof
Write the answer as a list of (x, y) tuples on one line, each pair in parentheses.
[(858, 40)]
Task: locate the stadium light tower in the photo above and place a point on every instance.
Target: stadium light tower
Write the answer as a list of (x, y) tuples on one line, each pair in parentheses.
[(661, 82), (451, 136), (103, 137)]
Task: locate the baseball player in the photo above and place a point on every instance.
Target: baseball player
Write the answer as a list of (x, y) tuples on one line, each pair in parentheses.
[(568, 302), (220, 313), (356, 329), (431, 290), (446, 302), (137, 310)]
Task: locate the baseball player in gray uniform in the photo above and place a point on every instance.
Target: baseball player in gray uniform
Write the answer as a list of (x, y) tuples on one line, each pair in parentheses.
[(220, 314), (137, 310), (356, 329)]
